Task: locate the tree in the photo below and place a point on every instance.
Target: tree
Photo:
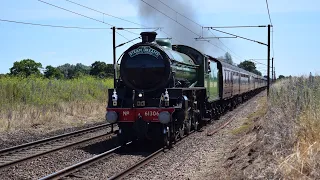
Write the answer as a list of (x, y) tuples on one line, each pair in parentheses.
[(52, 72), (281, 77), (98, 69), (109, 70), (221, 58), (66, 70), (228, 58), (74, 71), (101, 69), (25, 68), (257, 72), (249, 66), (81, 70)]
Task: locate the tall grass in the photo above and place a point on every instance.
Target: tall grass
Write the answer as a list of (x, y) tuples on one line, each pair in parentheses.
[(30, 102), (293, 127)]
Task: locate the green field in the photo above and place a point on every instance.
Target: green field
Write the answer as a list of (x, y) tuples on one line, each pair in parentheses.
[(26, 102)]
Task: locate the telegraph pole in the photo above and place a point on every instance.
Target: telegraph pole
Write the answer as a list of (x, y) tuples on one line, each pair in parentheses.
[(268, 68), (114, 57), (233, 35)]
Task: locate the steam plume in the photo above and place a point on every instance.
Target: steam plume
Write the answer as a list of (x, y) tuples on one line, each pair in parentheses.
[(152, 18)]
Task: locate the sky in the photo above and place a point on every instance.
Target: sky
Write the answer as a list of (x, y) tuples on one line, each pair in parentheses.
[(294, 44)]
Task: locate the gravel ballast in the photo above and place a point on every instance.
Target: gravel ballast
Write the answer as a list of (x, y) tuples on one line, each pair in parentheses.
[(198, 156)]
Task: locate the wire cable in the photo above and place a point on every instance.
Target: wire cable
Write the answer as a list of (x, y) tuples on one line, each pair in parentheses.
[(106, 13), (237, 57), (128, 41), (272, 26), (180, 13), (170, 18), (240, 37), (76, 13), (268, 12), (49, 25), (86, 17), (238, 26), (145, 27)]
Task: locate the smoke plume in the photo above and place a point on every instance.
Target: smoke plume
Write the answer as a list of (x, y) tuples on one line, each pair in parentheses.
[(181, 35)]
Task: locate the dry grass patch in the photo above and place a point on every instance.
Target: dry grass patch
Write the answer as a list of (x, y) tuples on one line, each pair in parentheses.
[(286, 142), (296, 102)]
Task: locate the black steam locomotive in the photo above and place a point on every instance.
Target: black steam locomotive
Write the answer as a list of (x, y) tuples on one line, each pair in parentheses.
[(164, 91)]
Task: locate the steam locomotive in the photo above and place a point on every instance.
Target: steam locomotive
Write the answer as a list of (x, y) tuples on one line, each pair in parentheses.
[(164, 91)]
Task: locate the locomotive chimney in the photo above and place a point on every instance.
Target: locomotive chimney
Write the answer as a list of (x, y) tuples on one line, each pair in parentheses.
[(148, 36)]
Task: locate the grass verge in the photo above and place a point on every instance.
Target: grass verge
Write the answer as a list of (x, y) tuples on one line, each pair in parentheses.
[(304, 97), (252, 117)]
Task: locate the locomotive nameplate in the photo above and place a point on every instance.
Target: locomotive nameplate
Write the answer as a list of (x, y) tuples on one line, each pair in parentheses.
[(144, 50)]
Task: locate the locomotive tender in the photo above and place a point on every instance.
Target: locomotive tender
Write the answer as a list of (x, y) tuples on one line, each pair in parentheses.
[(164, 91)]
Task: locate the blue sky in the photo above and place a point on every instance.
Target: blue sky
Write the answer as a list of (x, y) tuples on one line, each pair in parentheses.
[(296, 26)]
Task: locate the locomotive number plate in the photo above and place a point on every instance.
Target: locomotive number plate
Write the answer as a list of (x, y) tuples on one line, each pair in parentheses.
[(151, 113)]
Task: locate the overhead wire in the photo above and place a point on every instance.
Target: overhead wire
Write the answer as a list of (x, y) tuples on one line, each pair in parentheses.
[(134, 22), (83, 16), (54, 26), (76, 13), (240, 37), (144, 25), (179, 13), (268, 12), (171, 18), (123, 20), (104, 13), (272, 30), (272, 26), (238, 57)]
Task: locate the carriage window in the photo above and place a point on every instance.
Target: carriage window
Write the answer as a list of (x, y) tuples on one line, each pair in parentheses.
[(225, 76)]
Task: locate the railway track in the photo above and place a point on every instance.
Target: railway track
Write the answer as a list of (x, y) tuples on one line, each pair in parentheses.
[(17, 154), (76, 167), (229, 117), (67, 171), (121, 175)]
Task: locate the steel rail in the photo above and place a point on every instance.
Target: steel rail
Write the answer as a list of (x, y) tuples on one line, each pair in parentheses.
[(136, 166), (52, 138), (75, 167), (10, 156), (145, 161)]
